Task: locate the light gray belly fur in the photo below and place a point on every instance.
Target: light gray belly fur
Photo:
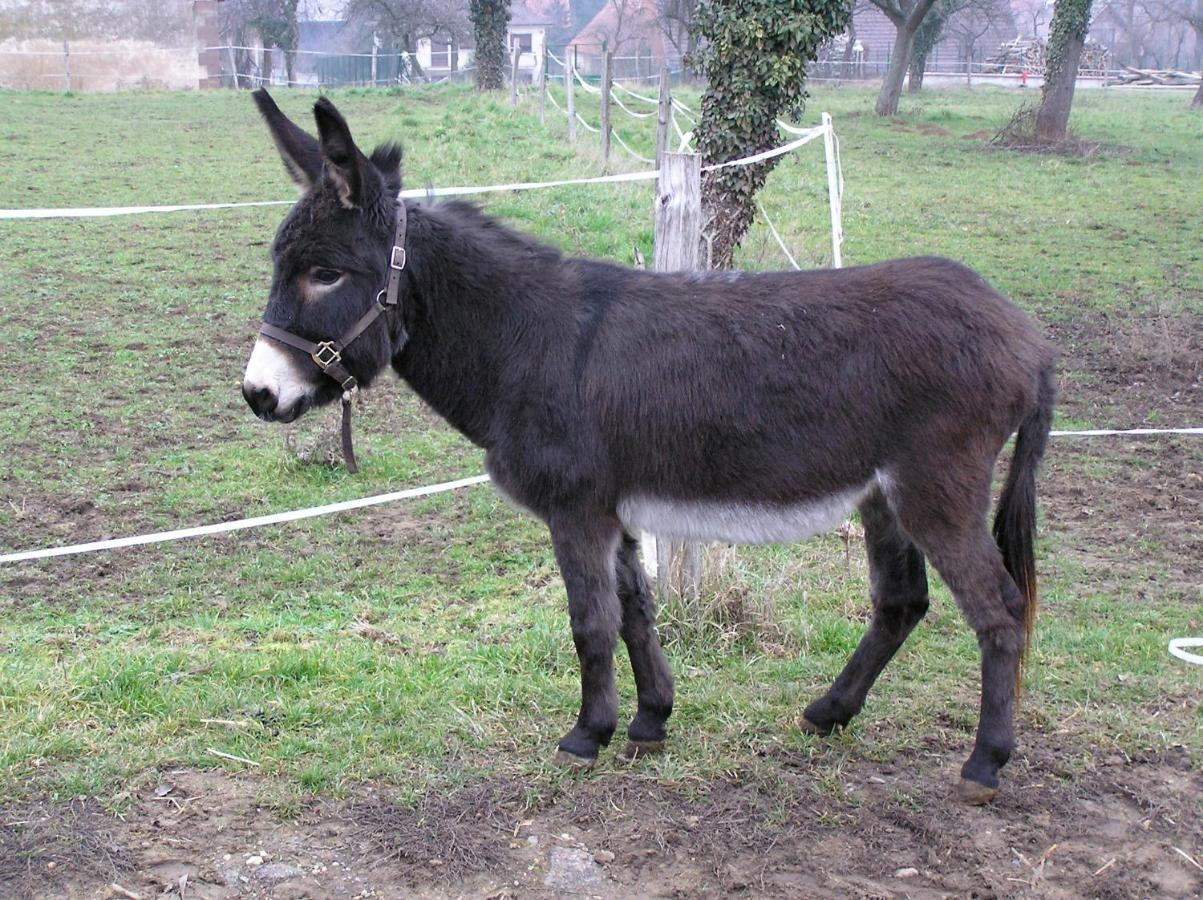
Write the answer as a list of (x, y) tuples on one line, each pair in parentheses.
[(738, 523)]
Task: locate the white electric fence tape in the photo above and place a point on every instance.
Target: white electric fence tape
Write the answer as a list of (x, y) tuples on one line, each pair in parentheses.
[(240, 524), (654, 101), (414, 193), (630, 112), (625, 146), (1177, 646)]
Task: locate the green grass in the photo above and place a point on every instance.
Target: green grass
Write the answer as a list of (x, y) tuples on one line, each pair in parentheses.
[(124, 340)]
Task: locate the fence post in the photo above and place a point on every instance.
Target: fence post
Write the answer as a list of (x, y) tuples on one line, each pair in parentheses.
[(67, 65), (543, 86), (678, 238), (834, 200), (233, 65), (663, 114), (570, 92), (514, 75), (606, 87), (374, 52)]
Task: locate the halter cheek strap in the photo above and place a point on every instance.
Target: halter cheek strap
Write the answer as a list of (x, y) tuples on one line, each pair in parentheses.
[(328, 354)]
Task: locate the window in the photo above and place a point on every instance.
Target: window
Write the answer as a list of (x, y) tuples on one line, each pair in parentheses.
[(440, 56), (523, 42)]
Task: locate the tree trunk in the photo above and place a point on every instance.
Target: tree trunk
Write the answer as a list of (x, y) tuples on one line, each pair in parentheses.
[(891, 87), (914, 80), (1197, 103), (489, 21), (1067, 35)]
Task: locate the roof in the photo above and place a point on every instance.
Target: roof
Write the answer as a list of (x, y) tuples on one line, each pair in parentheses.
[(638, 25)]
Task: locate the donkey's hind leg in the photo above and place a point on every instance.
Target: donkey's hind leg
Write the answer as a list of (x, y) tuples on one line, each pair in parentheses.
[(585, 547), (898, 586), (653, 677), (950, 526)]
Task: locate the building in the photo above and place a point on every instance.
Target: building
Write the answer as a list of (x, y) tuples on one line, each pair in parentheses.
[(640, 39), (527, 32)]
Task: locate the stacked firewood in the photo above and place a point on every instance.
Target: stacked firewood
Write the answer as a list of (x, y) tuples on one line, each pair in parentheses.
[(1171, 77), (1029, 55)]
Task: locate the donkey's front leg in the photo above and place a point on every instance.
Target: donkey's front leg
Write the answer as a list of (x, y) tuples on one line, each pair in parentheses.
[(585, 548), (653, 677)]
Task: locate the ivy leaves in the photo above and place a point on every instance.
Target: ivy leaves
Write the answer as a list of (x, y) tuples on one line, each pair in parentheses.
[(753, 54)]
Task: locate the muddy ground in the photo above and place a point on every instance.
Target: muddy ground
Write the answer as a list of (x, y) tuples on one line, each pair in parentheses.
[(1111, 827), (1073, 820)]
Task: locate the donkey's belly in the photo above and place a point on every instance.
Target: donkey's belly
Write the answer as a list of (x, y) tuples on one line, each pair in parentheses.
[(737, 523)]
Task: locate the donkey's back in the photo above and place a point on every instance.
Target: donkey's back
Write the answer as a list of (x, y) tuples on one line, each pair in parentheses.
[(791, 393)]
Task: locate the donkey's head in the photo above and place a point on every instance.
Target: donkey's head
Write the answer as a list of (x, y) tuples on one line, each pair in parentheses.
[(331, 259)]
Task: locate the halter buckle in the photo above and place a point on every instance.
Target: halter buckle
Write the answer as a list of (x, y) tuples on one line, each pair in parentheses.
[(393, 262), (326, 355)]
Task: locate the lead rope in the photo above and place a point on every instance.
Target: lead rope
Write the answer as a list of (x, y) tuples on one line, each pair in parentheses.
[(348, 449)]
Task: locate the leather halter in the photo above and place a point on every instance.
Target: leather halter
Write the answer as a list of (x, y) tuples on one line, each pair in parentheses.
[(328, 354)]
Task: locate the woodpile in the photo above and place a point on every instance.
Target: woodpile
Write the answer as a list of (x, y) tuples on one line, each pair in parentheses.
[(1029, 55), (1150, 77)]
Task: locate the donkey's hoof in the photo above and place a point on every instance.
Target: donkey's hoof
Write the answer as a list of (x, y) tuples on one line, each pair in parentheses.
[(572, 761), (809, 727), (638, 749), (974, 793)]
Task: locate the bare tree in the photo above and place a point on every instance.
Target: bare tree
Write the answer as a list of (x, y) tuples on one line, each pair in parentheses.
[(1031, 15), (675, 21), (275, 21), (408, 21), (973, 21), (906, 16), (624, 26)]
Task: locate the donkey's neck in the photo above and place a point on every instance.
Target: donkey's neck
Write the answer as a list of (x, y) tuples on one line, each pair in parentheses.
[(477, 286)]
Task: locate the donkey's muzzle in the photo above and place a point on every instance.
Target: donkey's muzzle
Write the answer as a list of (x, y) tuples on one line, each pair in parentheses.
[(265, 404), (261, 400)]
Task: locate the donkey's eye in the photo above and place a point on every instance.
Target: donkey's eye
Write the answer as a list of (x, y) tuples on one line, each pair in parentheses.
[(325, 276)]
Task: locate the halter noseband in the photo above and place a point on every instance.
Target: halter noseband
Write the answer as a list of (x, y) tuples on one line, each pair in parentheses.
[(328, 354)]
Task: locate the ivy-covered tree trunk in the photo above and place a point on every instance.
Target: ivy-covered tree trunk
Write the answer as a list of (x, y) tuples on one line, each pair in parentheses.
[(1066, 37), (489, 21), (753, 55), (930, 30)]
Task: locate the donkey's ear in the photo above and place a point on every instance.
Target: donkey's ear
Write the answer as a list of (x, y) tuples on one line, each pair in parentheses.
[(300, 151), (349, 169)]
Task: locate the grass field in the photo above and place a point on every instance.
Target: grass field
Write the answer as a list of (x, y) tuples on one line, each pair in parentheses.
[(422, 650)]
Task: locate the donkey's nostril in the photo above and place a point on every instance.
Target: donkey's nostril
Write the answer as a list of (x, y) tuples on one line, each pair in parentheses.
[(261, 400)]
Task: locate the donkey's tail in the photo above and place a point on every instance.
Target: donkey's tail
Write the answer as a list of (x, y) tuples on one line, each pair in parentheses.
[(1015, 519)]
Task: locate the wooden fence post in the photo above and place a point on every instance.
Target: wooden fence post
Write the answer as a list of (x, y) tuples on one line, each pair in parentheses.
[(543, 86), (570, 93), (678, 237), (663, 115), (607, 82), (514, 75), (67, 64)]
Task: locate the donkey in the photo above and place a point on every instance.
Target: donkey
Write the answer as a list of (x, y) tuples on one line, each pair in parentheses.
[(731, 407)]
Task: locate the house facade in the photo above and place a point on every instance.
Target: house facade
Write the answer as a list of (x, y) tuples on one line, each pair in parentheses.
[(527, 33)]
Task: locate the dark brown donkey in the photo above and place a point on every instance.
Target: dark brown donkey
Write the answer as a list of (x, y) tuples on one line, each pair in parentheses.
[(728, 406)]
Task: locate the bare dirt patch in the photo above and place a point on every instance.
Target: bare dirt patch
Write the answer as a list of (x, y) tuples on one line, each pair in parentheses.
[(1131, 369), (817, 826)]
